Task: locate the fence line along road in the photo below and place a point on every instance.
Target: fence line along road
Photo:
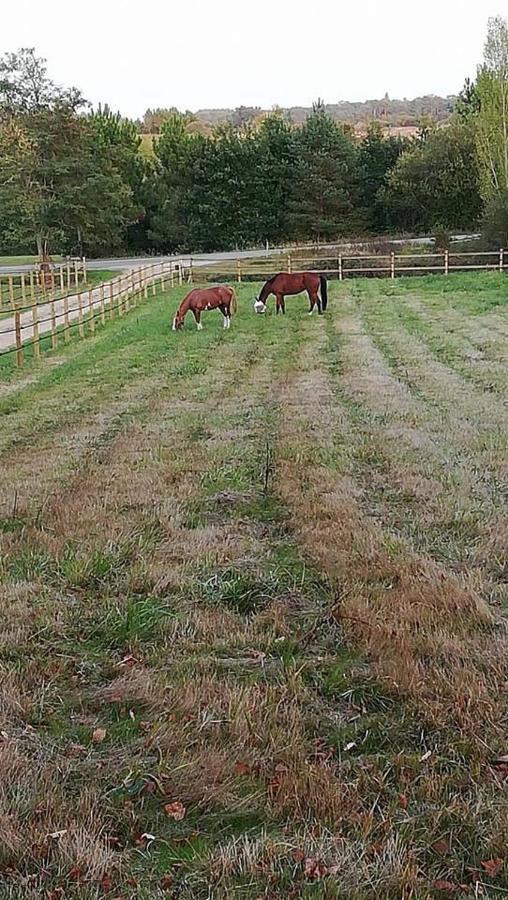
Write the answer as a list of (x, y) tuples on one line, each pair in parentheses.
[(84, 310), (343, 265)]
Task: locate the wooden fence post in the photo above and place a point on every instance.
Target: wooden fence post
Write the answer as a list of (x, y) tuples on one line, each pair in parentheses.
[(125, 290), (119, 295), (23, 289), (33, 296), (180, 272), (289, 263), (446, 262), (91, 318), (191, 277), (171, 275), (501, 259), (68, 269), (111, 301), (102, 307), (62, 285), (340, 267), (19, 345), (392, 264), (11, 292), (83, 263), (67, 331), (1, 295), (154, 284), (81, 327), (133, 288), (76, 272), (35, 329), (54, 336), (145, 277), (238, 270)]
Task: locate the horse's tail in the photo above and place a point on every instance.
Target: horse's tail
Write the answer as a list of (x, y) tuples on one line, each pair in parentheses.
[(234, 301), (324, 291)]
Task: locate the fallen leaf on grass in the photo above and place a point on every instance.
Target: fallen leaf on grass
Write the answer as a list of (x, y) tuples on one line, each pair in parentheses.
[(175, 810), (166, 881), (492, 867), (75, 750), (99, 735), (75, 874), (106, 882), (242, 768), (442, 847), (314, 868)]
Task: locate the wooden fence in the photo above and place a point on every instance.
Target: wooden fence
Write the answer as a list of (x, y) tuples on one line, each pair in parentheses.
[(342, 266), (41, 286), (84, 311)]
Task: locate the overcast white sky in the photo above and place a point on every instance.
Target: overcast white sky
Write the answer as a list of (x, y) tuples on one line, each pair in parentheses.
[(212, 53)]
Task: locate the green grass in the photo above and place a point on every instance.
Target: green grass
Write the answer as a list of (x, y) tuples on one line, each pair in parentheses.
[(24, 260), (247, 557)]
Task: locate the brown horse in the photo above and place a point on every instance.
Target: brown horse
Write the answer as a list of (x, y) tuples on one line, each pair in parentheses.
[(286, 283), (200, 299)]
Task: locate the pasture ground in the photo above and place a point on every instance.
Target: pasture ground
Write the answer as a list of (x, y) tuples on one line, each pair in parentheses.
[(24, 260), (253, 595)]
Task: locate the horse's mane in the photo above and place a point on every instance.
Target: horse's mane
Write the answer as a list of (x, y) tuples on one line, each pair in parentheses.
[(270, 281), (267, 287)]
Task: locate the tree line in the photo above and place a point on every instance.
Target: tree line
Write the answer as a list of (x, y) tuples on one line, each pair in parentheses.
[(77, 181)]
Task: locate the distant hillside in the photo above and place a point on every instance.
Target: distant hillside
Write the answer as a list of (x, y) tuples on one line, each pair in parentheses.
[(390, 112), (402, 117)]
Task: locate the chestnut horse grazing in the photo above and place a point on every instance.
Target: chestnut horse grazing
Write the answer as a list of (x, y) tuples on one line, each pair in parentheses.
[(200, 299), (285, 283)]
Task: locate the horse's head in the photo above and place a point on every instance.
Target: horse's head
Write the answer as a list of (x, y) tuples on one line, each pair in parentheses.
[(178, 321), (259, 306)]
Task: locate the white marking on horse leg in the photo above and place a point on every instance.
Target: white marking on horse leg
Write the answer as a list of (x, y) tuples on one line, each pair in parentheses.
[(229, 322), (200, 327), (225, 321), (174, 324)]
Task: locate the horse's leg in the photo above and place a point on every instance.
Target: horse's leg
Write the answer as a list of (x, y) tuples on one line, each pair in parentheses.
[(311, 302), (224, 310), (197, 316), (283, 302)]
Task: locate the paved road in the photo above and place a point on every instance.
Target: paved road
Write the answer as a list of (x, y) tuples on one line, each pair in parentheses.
[(201, 259)]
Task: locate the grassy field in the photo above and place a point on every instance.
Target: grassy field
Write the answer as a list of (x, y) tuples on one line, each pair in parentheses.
[(253, 592), (24, 260)]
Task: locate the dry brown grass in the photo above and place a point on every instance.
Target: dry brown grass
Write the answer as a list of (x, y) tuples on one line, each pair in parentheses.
[(428, 634), (275, 650)]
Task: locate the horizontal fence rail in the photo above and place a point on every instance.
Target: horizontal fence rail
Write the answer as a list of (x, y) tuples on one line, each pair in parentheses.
[(84, 310)]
